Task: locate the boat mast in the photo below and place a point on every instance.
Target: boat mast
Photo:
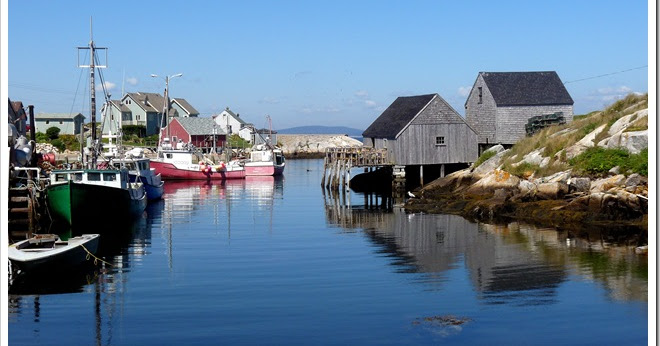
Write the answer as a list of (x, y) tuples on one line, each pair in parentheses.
[(92, 87)]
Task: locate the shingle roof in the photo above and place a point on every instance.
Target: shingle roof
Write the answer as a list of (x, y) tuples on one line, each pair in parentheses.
[(154, 102), (185, 105), (397, 116), (526, 88), (122, 107), (41, 116), (197, 126)]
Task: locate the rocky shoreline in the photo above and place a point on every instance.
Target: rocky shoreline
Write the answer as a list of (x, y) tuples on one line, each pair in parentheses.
[(560, 200)]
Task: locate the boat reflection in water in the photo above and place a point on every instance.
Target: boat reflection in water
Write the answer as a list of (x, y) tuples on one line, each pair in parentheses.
[(515, 263)]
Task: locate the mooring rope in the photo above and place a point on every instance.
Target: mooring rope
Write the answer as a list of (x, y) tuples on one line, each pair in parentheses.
[(89, 255)]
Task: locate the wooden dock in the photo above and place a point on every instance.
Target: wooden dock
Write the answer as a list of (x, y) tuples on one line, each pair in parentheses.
[(337, 164)]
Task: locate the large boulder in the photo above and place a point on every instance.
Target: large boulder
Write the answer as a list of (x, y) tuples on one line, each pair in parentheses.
[(634, 141), (585, 143), (605, 184), (624, 122), (553, 190), (494, 180), (579, 184), (536, 158), (489, 165)]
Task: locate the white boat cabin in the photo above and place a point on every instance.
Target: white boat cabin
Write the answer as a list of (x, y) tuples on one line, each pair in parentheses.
[(110, 178)]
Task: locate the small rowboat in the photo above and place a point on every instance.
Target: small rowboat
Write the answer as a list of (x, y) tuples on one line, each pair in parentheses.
[(49, 252)]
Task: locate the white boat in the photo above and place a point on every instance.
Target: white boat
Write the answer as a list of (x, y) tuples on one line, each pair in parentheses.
[(48, 252), (265, 160), (139, 170)]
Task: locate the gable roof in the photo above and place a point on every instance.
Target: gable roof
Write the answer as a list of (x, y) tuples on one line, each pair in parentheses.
[(186, 106), (526, 88), (150, 102), (234, 116), (397, 116), (48, 116), (122, 107), (197, 126)]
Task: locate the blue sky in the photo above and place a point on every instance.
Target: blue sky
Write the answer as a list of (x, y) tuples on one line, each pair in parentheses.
[(334, 63)]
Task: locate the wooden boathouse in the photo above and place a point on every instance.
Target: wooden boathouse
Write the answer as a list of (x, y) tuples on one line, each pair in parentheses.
[(420, 137)]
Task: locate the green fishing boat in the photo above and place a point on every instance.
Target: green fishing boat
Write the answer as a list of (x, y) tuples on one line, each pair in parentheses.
[(81, 196)]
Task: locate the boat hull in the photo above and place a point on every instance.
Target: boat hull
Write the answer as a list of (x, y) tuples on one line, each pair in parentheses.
[(61, 257), (266, 169), (78, 204), (154, 192), (169, 171)]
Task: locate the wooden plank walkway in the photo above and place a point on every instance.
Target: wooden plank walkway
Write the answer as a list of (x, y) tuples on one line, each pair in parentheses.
[(337, 163)]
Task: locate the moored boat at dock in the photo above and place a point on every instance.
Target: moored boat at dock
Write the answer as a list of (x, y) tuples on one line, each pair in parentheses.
[(82, 196), (139, 170), (47, 252), (183, 163), (265, 160)]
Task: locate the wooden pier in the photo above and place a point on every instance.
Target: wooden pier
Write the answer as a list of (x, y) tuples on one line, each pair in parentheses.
[(337, 164)]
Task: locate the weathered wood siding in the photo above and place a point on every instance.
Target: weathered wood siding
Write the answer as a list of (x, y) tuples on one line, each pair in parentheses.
[(482, 115), (381, 143), (505, 125), (511, 121), (416, 145)]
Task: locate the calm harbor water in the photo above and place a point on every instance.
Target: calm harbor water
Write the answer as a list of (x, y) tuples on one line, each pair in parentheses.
[(277, 261)]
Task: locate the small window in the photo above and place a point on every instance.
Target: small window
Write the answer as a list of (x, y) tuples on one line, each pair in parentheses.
[(94, 176), (480, 94), (109, 177), (439, 140), (47, 122), (61, 177), (77, 177)]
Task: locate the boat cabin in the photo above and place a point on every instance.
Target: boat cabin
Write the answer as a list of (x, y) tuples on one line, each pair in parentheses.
[(110, 178)]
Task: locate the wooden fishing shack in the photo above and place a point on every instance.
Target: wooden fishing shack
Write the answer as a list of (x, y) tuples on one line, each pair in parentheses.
[(421, 137)]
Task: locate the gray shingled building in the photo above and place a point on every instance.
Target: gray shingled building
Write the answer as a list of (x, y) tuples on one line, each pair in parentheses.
[(423, 130), (501, 103)]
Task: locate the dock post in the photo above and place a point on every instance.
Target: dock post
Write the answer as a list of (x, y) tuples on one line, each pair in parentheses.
[(325, 167), (421, 175), (442, 170)]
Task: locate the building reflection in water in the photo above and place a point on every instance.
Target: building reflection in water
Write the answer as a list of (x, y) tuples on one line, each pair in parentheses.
[(507, 264)]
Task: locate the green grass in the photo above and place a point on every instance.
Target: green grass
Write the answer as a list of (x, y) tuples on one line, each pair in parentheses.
[(484, 157), (597, 161)]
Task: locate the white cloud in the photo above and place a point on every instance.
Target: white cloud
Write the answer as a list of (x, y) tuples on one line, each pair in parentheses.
[(132, 81), (361, 94), (618, 90), (269, 100), (464, 91), (370, 103), (108, 86), (317, 110)]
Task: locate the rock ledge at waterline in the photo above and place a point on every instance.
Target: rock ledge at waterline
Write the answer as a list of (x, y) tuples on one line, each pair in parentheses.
[(558, 200)]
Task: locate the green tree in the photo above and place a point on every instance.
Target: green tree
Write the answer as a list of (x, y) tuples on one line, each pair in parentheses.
[(53, 132)]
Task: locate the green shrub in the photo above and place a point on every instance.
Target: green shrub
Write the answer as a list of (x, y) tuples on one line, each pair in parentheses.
[(53, 132), (600, 160), (134, 130), (235, 141), (41, 137), (70, 142), (484, 157), (57, 143)]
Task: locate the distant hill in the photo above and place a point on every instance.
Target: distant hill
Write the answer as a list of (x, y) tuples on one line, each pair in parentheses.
[(322, 130)]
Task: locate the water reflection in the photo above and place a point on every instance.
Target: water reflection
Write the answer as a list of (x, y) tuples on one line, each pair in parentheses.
[(513, 264)]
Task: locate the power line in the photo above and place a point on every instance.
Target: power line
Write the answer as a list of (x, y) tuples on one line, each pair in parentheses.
[(607, 74)]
